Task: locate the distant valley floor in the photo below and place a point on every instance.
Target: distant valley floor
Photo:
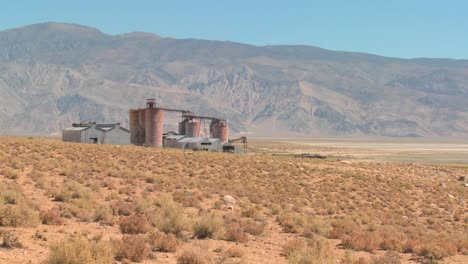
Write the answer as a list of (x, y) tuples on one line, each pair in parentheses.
[(439, 151)]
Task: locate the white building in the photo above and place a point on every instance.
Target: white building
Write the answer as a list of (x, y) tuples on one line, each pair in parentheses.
[(183, 142), (97, 134)]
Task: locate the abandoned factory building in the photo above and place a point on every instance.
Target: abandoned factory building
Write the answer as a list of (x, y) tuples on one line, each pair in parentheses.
[(97, 134)]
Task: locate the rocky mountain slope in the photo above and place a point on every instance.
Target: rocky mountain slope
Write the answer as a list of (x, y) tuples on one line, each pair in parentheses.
[(54, 74)]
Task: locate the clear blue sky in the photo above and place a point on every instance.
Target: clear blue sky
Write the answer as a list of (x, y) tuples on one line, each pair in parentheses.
[(398, 28)]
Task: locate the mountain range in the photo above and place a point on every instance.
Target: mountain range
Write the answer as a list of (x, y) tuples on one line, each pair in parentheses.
[(54, 74)]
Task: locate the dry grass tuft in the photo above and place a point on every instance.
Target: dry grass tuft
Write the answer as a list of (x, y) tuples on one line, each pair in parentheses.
[(290, 224), (348, 258), (434, 251), (389, 258), (392, 240), (235, 252), (9, 196), (121, 208), (134, 224), (103, 214), (159, 241), (80, 250), (343, 227), (194, 256), (252, 227), (9, 173), (234, 232), (131, 247), (50, 217), (10, 240), (310, 252), (18, 215), (293, 245), (169, 217), (207, 226), (365, 241)]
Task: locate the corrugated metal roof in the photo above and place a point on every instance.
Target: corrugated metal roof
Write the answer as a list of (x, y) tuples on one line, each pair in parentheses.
[(210, 140), (187, 140), (171, 133), (107, 125), (175, 137), (76, 128), (102, 127), (192, 140)]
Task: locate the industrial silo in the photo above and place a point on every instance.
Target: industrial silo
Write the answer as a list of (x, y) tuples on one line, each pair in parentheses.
[(219, 129), (223, 132), (192, 128), (141, 127), (134, 127), (182, 127), (154, 127)]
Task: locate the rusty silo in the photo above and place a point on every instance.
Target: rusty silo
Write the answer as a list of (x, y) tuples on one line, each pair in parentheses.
[(192, 128), (219, 129), (223, 132), (154, 127), (141, 127), (214, 130), (134, 127)]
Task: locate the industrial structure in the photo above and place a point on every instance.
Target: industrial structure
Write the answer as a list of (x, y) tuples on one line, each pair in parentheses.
[(94, 133), (146, 125), (146, 129), (183, 142), (231, 148)]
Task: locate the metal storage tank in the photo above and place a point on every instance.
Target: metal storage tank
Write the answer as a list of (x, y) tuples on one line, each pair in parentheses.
[(134, 127), (223, 132), (182, 127), (192, 128), (154, 127), (141, 127), (219, 129), (214, 130)]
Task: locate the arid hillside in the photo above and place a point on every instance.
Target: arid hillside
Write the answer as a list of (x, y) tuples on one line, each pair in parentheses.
[(77, 203), (54, 74)]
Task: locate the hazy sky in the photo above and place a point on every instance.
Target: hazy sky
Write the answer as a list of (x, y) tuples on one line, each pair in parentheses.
[(398, 28)]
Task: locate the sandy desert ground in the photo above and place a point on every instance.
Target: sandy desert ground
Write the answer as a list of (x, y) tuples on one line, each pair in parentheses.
[(76, 203)]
